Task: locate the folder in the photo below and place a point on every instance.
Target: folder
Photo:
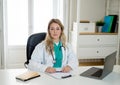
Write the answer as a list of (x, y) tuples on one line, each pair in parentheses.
[(108, 24), (114, 24), (27, 75)]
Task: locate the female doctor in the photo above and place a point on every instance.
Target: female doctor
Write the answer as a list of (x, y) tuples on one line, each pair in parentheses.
[(53, 54)]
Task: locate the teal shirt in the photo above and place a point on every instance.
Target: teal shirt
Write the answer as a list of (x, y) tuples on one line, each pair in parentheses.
[(58, 55)]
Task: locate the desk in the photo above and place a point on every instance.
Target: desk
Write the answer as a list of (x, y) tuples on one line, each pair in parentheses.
[(7, 77)]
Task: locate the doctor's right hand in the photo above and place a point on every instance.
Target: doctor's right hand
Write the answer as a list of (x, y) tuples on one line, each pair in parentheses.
[(50, 70)]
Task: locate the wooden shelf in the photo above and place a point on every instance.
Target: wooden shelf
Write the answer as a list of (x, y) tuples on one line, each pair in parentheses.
[(96, 33), (91, 62)]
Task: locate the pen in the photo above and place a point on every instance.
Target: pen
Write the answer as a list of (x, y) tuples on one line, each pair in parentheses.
[(66, 76), (58, 71)]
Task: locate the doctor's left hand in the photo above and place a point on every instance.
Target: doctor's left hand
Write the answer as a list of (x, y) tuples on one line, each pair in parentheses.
[(50, 70), (66, 69)]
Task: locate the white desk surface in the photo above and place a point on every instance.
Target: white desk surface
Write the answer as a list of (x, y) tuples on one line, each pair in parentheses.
[(7, 77)]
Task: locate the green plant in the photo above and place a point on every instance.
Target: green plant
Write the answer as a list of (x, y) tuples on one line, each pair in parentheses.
[(100, 23)]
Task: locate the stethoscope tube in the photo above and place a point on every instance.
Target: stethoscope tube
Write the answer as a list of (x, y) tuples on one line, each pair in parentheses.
[(52, 56)]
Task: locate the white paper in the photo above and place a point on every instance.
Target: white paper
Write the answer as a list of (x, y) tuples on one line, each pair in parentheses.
[(59, 75)]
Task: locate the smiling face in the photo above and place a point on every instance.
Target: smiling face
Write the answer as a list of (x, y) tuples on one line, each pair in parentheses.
[(55, 32)]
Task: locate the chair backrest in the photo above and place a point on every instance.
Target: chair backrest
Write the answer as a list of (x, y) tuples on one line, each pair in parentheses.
[(33, 40)]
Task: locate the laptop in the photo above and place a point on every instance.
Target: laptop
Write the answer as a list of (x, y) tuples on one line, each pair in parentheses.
[(100, 73)]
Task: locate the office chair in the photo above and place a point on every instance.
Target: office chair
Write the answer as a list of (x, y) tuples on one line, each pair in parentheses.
[(32, 41)]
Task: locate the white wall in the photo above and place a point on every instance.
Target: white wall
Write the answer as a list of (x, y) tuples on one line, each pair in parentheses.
[(92, 10), (16, 57)]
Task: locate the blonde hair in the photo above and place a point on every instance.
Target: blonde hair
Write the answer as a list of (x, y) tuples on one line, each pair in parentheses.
[(48, 39)]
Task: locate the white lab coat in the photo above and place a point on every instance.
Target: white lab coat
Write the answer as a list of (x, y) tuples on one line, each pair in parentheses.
[(40, 59)]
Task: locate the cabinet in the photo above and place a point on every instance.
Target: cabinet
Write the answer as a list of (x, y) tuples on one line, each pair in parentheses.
[(93, 45)]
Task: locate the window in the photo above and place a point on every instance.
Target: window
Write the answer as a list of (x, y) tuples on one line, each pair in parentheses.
[(17, 16), (43, 12)]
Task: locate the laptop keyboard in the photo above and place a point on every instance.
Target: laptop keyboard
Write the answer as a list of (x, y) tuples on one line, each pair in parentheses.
[(98, 73)]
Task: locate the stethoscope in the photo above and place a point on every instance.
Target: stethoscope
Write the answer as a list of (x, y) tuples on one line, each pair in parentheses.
[(54, 61)]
